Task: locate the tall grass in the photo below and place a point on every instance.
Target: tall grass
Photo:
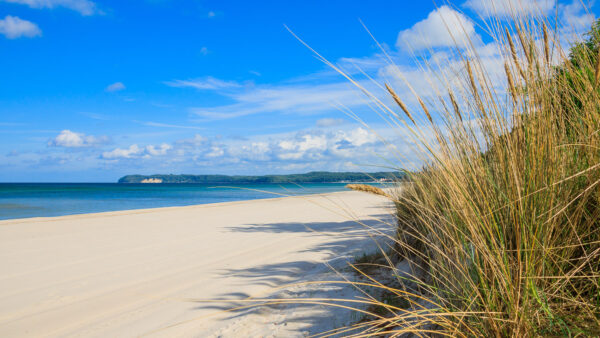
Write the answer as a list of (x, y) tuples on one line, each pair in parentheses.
[(499, 234), (503, 223)]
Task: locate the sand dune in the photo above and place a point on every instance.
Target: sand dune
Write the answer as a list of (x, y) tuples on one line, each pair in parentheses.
[(136, 273)]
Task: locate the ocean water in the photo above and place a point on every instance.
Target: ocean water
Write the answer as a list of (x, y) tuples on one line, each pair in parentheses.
[(22, 200)]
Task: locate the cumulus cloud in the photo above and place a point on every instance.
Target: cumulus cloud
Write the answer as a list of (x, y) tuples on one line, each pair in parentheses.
[(158, 150), (84, 7), (310, 147), (70, 139), (135, 151), (115, 87), (118, 153), (215, 151), (444, 27), (304, 146), (195, 141), (506, 8), (207, 83), (13, 27)]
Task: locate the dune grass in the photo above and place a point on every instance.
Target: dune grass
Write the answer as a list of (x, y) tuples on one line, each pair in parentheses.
[(503, 221), (368, 188)]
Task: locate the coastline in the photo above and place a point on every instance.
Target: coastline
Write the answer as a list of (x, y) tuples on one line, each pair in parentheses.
[(150, 210), (133, 272), (21, 201)]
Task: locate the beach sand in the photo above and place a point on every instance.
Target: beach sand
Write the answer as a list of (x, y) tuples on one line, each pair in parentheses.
[(140, 272)]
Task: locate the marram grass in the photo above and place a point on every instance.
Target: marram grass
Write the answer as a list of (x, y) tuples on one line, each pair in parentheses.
[(368, 188), (499, 234), (503, 221)]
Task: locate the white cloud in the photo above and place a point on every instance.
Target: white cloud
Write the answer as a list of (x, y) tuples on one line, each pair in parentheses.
[(311, 146), (576, 19), (196, 141), (158, 150), (317, 149), (84, 7), (167, 125), (444, 27), (70, 139), (135, 151), (13, 27), (215, 151), (211, 14), (207, 83), (204, 51), (118, 153), (330, 146), (115, 87), (253, 151), (358, 137), (288, 98), (507, 8), (329, 122)]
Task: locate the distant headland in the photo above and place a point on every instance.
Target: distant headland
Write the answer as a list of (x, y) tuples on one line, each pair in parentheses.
[(311, 177)]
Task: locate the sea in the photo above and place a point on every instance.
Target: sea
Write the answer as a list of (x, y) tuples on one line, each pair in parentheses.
[(23, 200)]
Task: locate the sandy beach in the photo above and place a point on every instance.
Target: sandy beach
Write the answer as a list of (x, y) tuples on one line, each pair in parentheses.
[(139, 272)]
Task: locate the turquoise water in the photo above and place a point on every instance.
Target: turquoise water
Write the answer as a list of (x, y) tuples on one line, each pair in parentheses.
[(21, 200)]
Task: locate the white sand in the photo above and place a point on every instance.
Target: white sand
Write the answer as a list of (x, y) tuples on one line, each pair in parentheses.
[(135, 273)]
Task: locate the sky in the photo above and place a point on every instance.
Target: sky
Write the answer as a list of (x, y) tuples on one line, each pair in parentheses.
[(94, 90)]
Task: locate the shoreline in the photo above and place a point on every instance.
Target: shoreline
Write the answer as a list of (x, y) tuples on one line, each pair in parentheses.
[(149, 210), (134, 272)]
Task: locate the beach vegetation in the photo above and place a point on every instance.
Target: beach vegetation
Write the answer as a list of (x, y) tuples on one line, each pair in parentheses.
[(368, 188), (502, 226)]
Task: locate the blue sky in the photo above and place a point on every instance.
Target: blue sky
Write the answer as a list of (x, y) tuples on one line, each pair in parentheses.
[(93, 90)]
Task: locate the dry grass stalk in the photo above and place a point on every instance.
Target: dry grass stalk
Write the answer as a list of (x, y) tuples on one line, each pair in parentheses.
[(425, 110), (546, 43), (455, 105), (400, 103), (513, 53), (511, 82), (597, 72), (524, 44), (368, 188)]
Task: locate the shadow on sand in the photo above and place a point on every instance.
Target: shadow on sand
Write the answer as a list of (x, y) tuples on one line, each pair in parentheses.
[(349, 239)]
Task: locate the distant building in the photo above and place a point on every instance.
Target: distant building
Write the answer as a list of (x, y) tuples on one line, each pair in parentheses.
[(152, 180)]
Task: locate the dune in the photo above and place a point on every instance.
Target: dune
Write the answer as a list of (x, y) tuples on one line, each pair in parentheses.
[(143, 272)]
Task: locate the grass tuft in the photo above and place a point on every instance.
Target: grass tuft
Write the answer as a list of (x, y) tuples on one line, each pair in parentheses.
[(368, 188)]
